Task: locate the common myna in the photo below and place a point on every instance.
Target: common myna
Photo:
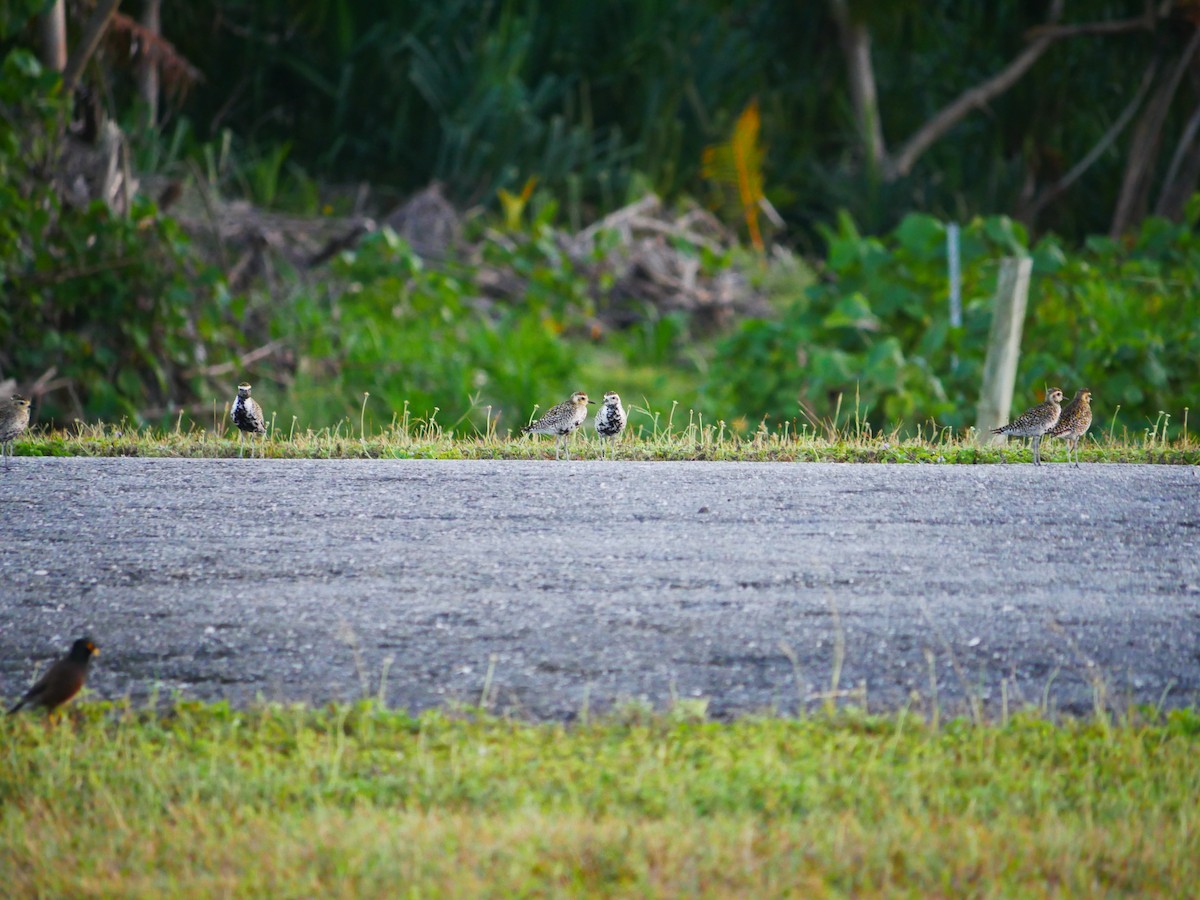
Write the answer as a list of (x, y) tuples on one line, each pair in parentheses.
[(63, 680)]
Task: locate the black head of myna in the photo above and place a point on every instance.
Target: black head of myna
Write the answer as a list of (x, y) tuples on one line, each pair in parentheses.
[(63, 680)]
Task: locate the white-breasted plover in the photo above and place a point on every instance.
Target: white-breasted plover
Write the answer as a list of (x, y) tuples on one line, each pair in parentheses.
[(610, 419), (1035, 422), (562, 420), (14, 419), (247, 415), (1074, 422)]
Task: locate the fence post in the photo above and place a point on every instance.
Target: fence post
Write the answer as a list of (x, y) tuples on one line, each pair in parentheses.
[(955, 274), (1004, 348)]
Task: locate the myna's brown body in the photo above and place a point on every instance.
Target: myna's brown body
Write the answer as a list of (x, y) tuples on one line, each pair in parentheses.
[(62, 681)]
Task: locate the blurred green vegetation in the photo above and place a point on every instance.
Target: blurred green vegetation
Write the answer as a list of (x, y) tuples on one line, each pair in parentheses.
[(870, 340), (600, 101), (594, 105), (116, 309), (873, 339)]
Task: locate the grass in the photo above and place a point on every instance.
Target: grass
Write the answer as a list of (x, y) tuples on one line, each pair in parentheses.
[(363, 801), (651, 435)]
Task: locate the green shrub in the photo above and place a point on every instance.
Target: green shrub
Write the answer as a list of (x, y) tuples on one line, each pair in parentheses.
[(116, 306), (873, 337), (420, 338)]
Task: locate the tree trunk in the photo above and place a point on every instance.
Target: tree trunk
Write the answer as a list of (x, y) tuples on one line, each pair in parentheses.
[(53, 25), (856, 48), (1183, 174), (147, 74), (1134, 200), (1031, 208), (96, 27), (976, 97)]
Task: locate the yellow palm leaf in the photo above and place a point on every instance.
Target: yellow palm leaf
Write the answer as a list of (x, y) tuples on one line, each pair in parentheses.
[(738, 163)]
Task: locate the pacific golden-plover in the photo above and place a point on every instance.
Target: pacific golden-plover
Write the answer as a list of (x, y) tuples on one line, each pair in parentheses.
[(62, 681), (14, 418), (1074, 422), (247, 415), (562, 420), (1035, 422), (610, 419)]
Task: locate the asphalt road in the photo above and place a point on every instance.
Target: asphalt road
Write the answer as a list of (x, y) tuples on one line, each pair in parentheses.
[(546, 589)]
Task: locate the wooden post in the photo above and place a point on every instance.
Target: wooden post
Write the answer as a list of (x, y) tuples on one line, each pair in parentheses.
[(1004, 348)]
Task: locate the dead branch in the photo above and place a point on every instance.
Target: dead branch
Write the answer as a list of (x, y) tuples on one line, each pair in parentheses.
[(1106, 141), (42, 385), (155, 52), (242, 362), (1146, 139), (343, 242), (973, 98), (1177, 187), (648, 204), (644, 223), (91, 40), (1144, 22), (1041, 39)]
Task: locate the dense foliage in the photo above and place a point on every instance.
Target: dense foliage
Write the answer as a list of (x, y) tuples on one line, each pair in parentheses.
[(870, 339), (1117, 317), (416, 338), (597, 99), (121, 315), (116, 310)]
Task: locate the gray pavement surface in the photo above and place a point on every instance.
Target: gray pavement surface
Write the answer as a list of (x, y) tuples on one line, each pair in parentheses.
[(545, 589)]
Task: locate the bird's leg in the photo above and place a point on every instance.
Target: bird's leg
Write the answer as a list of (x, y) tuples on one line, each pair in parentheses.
[(241, 444), (1037, 457)]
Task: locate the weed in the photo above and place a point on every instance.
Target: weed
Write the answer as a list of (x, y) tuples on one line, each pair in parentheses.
[(655, 437)]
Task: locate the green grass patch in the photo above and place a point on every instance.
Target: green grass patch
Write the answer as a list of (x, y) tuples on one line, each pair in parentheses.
[(656, 437), (360, 800)]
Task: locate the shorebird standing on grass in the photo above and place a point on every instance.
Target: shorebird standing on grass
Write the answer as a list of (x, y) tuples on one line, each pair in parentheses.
[(62, 681), (1074, 422), (1035, 422), (247, 415), (14, 418), (561, 420), (611, 419)]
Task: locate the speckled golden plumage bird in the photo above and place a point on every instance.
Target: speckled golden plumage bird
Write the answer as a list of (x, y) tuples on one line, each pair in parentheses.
[(1074, 422), (1035, 422), (562, 420), (14, 419)]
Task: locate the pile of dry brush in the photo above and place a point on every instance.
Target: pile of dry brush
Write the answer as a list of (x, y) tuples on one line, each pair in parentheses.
[(654, 260)]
